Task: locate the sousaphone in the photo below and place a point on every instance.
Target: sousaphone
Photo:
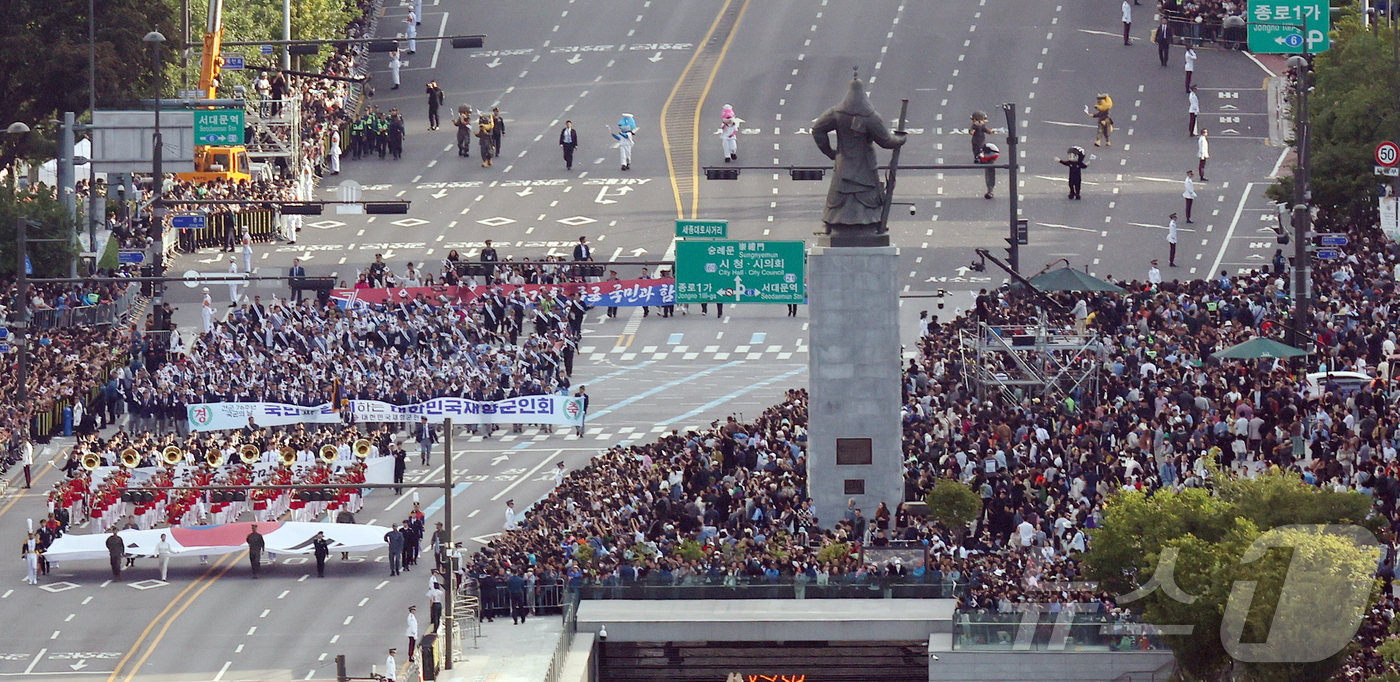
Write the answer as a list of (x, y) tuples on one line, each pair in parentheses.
[(249, 454), (90, 461), (131, 458), (287, 456), (172, 455), (328, 453), (362, 448), (214, 458)]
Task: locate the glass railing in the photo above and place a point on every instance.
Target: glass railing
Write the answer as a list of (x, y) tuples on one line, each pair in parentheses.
[(1067, 631)]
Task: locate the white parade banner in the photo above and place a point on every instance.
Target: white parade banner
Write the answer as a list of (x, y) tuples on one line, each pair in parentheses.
[(532, 409), (221, 416)]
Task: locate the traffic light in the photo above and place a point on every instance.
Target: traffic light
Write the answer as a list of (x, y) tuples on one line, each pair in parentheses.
[(383, 45), (806, 173), (303, 49), (467, 42), (721, 173), (386, 207), (301, 209)]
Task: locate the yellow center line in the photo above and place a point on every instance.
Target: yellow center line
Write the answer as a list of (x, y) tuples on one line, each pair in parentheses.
[(171, 621), (665, 109), (137, 644), (34, 482), (699, 107)]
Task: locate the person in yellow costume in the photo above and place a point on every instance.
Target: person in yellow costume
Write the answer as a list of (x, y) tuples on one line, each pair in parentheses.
[(1103, 107)]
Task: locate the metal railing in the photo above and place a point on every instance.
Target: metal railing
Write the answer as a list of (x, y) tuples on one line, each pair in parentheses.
[(98, 315), (1051, 632), (566, 642)]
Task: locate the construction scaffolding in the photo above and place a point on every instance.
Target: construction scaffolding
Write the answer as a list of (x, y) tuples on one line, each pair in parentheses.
[(276, 129), (1016, 362)]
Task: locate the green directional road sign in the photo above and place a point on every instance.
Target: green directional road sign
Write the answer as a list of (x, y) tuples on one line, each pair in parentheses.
[(218, 126), (712, 229), (740, 272), (1273, 26)]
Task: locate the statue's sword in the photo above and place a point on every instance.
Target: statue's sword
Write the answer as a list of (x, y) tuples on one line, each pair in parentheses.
[(894, 166)]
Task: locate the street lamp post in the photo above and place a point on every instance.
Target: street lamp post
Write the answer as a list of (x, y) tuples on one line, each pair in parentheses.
[(157, 180), (1302, 214)]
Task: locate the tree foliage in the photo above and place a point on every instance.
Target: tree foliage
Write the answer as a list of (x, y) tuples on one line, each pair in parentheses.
[(1210, 533), (953, 505), (254, 20), (47, 220), (1355, 104), (44, 60)]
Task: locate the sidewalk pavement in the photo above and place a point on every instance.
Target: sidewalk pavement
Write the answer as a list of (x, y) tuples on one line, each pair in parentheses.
[(506, 652)]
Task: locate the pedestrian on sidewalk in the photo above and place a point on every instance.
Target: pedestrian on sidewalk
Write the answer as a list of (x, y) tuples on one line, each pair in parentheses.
[(1171, 240), (1190, 193), (1193, 107), (1203, 155), (1190, 57), (1163, 37), (1127, 22)]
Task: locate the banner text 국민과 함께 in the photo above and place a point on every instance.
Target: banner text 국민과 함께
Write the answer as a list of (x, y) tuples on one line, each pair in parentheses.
[(531, 409), (221, 416)]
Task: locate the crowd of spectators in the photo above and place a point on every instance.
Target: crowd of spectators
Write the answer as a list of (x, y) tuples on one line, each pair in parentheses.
[(730, 506)]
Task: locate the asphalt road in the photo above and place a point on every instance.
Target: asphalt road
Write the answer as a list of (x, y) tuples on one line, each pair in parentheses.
[(780, 63)]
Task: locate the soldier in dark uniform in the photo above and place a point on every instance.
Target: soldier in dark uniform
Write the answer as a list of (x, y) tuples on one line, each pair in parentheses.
[(396, 133)]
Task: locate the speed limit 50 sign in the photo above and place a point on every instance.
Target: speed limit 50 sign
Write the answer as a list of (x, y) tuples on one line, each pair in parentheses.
[(1387, 154)]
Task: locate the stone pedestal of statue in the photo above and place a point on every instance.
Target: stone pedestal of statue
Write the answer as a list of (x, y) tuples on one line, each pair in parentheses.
[(854, 437)]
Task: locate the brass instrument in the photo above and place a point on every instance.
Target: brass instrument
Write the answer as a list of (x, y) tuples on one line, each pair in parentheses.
[(172, 455), (287, 456), (249, 454), (214, 458), (362, 448), (91, 461), (130, 458), (328, 453)]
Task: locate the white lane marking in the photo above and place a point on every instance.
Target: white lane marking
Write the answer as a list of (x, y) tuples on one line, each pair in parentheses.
[(335, 639), (437, 48), (55, 634), (1225, 243), (251, 630), (364, 601), (380, 586), (265, 612), (348, 619), (239, 650), (36, 660), (308, 575), (222, 670), (474, 513), (284, 594), (10, 592), (527, 476), (70, 617)]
